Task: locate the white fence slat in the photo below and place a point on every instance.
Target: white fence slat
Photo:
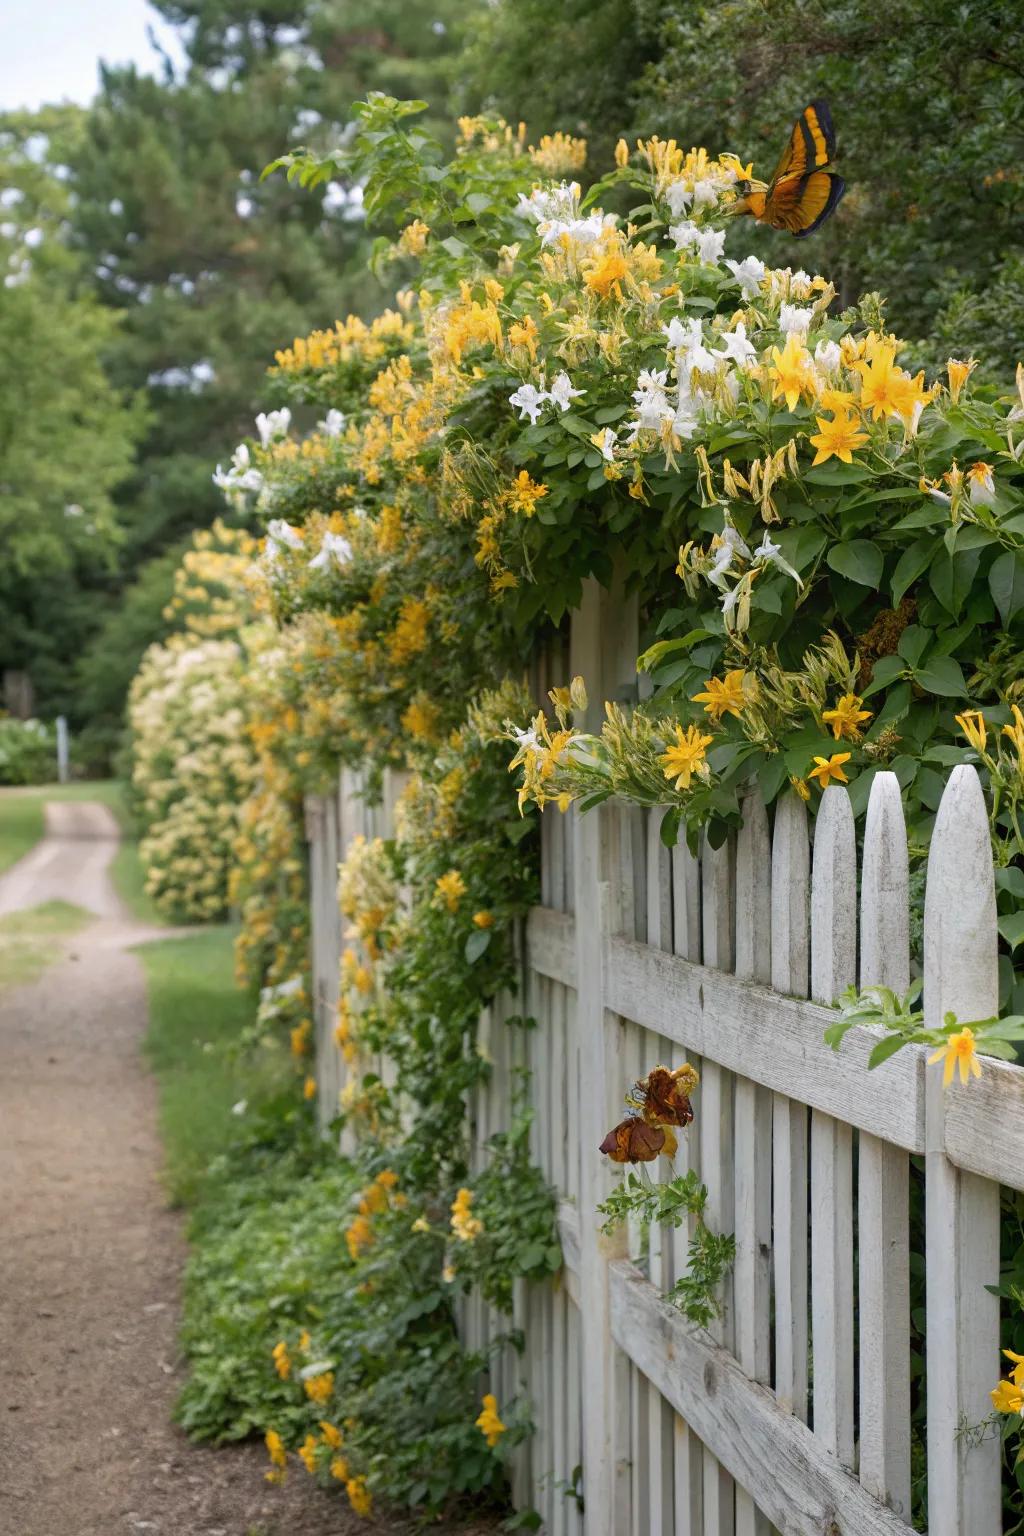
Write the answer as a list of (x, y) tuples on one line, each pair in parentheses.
[(790, 887), (883, 1175), (686, 923), (962, 1210), (752, 1269), (687, 1451), (605, 1478), (833, 969), (715, 1122), (800, 1485)]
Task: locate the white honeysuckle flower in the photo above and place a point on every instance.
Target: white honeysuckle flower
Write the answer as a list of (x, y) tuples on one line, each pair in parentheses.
[(768, 553), (800, 284), (240, 1108), (527, 741), (710, 245), (240, 477), (736, 347), (981, 485), (685, 422), (729, 600), (542, 204), (281, 533), (748, 274), (273, 424), (604, 442), (333, 547), (652, 405), (582, 232), (795, 320), (705, 193), (828, 357), (333, 423), (679, 197), (732, 544), (685, 236), (528, 401), (562, 393)]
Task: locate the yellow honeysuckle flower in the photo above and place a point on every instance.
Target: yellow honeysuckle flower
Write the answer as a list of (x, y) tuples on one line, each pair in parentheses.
[(1007, 1397), (488, 1422), (451, 888), (309, 1088), (958, 373), (332, 1435), (959, 1051), (972, 723), (275, 1448), (846, 718), (837, 438), (319, 1388), (829, 768), (686, 756), (483, 919), (801, 786), (1016, 731), (307, 1453), (621, 154), (791, 371), (723, 696), (359, 1495), (1018, 1367)]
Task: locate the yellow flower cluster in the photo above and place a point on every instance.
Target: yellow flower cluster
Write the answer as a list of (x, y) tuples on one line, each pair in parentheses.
[(466, 1227), (488, 1421), (350, 340)]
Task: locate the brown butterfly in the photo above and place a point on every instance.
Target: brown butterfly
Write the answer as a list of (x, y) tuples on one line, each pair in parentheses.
[(664, 1098), (801, 194), (633, 1141)]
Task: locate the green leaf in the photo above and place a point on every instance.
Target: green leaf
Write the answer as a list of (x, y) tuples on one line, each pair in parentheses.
[(858, 560), (838, 474), (1011, 928), (913, 562), (913, 643), (942, 675), (670, 827), (656, 653), (477, 944), (885, 1048), (885, 671), (1006, 583)]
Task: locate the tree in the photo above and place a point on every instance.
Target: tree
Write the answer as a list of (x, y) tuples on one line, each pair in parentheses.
[(928, 103), (66, 432)]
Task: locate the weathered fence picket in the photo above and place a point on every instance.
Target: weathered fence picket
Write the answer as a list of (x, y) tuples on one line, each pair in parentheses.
[(792, 1412)]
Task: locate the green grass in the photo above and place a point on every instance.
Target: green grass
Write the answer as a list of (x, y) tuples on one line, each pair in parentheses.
[(22, 826), (196, 1012), (31, 940)]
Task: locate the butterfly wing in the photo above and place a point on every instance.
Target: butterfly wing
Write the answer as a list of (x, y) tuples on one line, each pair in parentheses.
[(812, 143), (800, 203)]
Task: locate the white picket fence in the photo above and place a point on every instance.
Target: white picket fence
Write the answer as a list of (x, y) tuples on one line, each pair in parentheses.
[(792, 1413)]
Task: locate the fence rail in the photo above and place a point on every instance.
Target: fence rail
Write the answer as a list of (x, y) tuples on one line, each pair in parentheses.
[(792, 1413)]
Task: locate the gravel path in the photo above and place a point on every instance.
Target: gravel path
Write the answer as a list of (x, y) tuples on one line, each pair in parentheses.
[(90, 1256)]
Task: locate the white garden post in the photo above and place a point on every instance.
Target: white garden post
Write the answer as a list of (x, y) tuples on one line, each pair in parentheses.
[(962, 1210)]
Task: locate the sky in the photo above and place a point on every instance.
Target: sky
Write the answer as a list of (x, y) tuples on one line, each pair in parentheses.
[(50, 49)]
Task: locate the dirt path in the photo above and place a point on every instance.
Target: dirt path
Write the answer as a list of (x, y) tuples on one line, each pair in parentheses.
[(90, 1257)]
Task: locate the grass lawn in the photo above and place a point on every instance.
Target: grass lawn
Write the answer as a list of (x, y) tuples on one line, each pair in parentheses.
[(27, 939), (196, 1012), (22, 825)]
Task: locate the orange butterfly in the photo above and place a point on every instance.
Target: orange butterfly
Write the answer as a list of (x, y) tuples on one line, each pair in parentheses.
[(801, 193)]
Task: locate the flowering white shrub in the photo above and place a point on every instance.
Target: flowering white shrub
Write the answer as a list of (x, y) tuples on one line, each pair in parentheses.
[(194, 764)]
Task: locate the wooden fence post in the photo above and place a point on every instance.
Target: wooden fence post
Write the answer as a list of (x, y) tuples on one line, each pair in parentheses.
[(604, 1470), (883, 1174), (962, 1210)]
